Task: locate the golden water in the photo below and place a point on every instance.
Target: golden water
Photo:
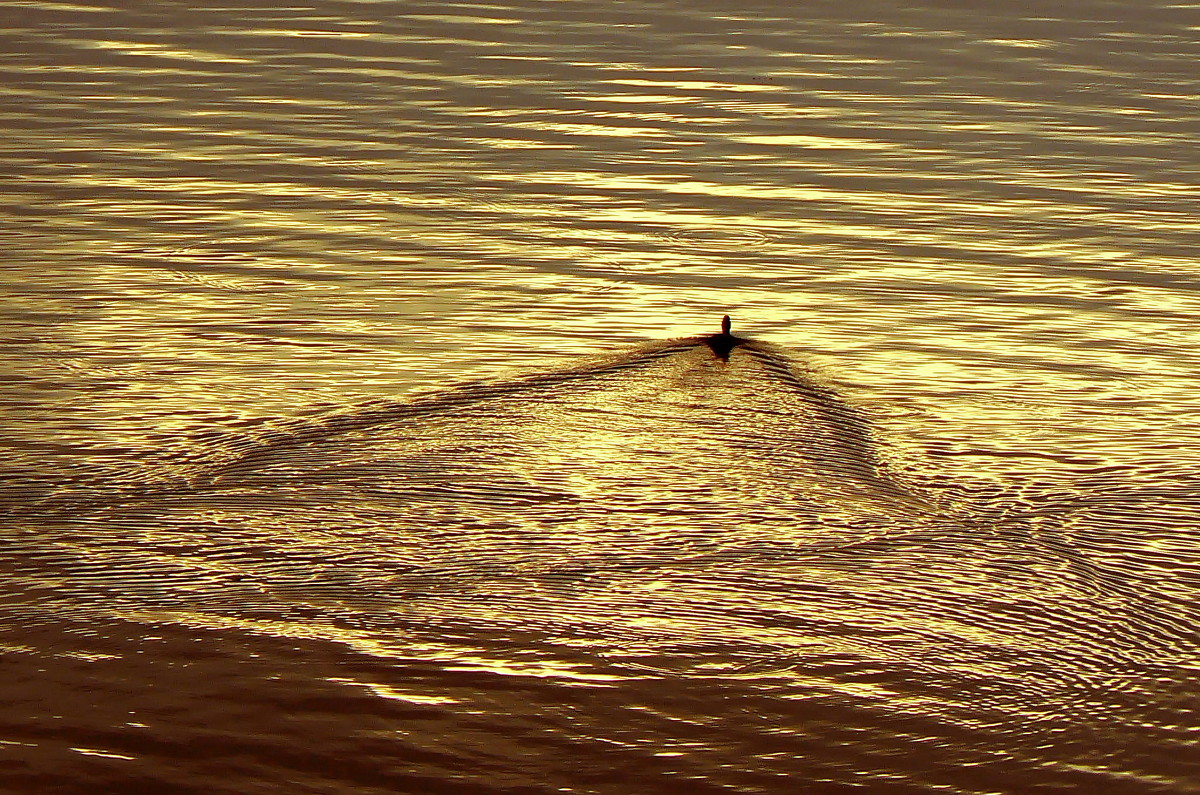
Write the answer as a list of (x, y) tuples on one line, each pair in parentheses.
[(357, 437)]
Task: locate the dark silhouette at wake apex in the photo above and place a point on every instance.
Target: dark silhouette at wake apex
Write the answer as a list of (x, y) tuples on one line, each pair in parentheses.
[(724, 342)]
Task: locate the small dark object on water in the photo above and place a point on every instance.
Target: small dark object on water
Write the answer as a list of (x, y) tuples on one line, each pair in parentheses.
[(724, 342)]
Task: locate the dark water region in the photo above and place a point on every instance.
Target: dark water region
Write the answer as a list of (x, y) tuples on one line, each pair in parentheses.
[(357, 437)]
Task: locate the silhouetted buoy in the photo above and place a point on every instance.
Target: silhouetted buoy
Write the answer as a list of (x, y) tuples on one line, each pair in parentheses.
[(724, 342)]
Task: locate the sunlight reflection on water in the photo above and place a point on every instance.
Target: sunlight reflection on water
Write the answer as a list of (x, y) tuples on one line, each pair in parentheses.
[(972, 235)]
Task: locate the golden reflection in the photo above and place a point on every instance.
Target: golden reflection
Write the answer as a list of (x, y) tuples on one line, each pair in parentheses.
[(463, 19), (143, 48), (593, 129), (48, 5), (815, 142), (383, 691), (690, 85), (640, 99), (1024, 44), (101, 754), (305, 33)]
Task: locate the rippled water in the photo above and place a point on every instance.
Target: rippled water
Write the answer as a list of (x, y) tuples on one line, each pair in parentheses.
[(358, 437)]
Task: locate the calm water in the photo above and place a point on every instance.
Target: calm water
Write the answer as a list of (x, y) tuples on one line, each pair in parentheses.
[(358, 437)]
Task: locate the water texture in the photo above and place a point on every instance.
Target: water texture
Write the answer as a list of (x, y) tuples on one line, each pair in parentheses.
[(366, 429)]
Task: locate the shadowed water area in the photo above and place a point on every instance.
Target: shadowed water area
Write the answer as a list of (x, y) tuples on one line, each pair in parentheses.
[(358, 437)]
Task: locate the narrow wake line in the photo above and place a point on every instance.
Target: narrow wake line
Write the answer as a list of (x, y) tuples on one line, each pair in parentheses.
[(846, 428), (456, 397)]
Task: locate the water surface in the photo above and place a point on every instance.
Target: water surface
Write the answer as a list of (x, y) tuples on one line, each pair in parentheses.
[(358, 436)]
